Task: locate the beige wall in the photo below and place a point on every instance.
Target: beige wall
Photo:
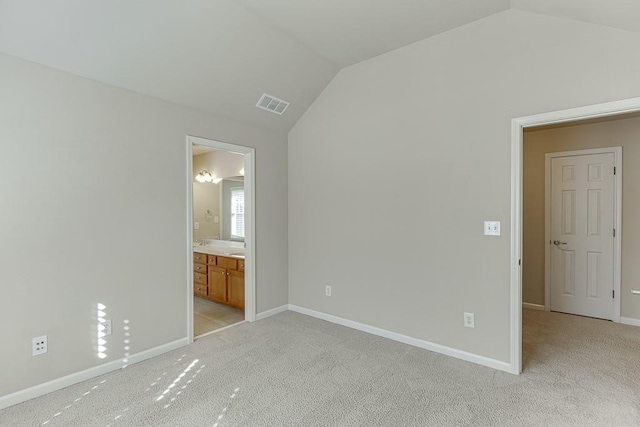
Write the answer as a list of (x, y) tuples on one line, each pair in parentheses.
[(612, 133), (93, 207), (427, 130), (206, 195)]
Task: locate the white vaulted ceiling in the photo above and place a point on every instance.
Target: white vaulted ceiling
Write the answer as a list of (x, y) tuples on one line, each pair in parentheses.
[(212, 55), (222, 55), (623, 14), (345, 32)]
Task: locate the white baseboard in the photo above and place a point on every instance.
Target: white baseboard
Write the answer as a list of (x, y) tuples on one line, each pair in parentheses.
[(272, 312), (66, 381), (530, 306), (630, 321), (437, 348)]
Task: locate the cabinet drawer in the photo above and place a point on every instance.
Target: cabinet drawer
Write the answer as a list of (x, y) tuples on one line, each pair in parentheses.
[(229, 263), (200, 278), (240, 265), (200, 268), (211, 260), (200, 289), (199, 258)]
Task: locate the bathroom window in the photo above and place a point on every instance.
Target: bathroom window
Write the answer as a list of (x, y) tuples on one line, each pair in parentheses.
[(237, 213)]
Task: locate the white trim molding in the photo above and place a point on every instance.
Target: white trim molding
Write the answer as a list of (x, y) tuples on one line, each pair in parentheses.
[(630, 321), (530, 306), (427, 345), (263, 315), (517, 127), (87, 374)]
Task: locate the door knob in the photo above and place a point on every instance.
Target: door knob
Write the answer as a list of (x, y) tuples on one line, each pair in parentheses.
[(558, 242)]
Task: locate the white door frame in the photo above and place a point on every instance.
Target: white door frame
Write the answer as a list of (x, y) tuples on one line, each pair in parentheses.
[(250, 225), (517, 126), (617, 222)]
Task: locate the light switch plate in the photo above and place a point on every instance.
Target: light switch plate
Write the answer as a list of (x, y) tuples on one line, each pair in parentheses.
[(196, 226), (492, 228)]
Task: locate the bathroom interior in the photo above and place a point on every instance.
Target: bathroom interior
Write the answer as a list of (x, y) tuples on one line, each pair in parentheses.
[(218, 239)]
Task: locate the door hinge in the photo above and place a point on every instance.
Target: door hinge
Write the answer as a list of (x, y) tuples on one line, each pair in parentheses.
[(614, 170), (614, 232), (519, 262), (613, 294)]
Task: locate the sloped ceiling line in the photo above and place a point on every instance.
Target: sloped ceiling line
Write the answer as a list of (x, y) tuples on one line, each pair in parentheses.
[(220, 56)]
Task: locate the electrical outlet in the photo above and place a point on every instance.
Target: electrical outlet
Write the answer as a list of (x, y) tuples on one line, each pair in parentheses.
[(327, 290), (106, 327), (39, 345), (469, 321)]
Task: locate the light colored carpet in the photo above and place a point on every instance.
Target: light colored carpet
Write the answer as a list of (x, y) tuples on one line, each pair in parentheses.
[(293, 370)]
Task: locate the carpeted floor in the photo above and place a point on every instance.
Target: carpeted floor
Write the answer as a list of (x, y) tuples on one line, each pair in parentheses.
[(293, 370)]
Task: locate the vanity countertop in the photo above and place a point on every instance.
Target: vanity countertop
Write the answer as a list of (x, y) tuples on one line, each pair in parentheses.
[(221, 251)]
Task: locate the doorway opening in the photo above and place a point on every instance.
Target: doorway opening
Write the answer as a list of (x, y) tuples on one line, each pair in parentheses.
[(566, 207), (221, 236)]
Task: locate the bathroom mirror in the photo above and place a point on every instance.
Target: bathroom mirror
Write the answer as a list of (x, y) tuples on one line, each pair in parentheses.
[(218, 202)]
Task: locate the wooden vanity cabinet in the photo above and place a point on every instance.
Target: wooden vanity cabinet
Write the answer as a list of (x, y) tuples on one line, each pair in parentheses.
[(219, 278)]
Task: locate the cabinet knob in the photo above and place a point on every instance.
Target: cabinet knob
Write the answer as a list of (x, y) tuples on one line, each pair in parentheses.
[(223, 272), (227, 274)]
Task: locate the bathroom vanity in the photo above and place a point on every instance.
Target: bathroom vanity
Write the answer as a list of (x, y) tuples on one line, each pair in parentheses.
[(219, 276)]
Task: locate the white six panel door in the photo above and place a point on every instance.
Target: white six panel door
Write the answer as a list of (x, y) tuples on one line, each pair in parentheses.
[(582, 221)]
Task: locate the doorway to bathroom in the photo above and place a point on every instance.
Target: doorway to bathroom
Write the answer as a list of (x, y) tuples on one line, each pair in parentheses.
[(221, 279)]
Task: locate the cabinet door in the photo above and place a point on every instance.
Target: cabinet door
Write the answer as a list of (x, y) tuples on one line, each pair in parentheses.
[(236, 288), (218, 284)]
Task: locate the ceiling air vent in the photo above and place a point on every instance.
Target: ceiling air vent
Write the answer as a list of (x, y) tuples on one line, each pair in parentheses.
[(273, 104)]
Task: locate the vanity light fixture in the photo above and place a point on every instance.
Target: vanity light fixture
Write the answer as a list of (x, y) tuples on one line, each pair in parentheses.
[(204, 176)]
